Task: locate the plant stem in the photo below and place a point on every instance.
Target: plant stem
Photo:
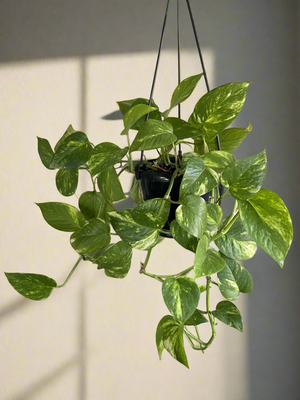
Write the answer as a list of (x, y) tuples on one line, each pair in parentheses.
[(211, 319), (70, 274), (130, 164), (226, 228), (167, 194)]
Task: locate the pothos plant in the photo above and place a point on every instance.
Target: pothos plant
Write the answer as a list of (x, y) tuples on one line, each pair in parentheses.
[(259, 217)]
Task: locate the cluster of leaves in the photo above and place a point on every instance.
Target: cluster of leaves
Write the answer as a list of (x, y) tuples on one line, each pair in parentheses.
[(259, 217)]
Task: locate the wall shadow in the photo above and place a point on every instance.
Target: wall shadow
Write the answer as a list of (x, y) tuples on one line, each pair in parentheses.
[(254, 41)]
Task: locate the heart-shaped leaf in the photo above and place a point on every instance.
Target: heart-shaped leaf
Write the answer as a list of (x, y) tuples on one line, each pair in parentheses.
[(236, 243), (182, 237), (104, 156), (214, 216), (196, 319), (268, 222), (68, 132), (45, 152), (169, 336), (67, 181), (213, 263), (229, 314), (191, 215), (233, 279), (61, 216), (110, 186), (230, 139), (73, 152), (153, 135), (32, 286), (181, 296), (245, 177), (92, 236), (134, 114), (197, 179), (116, 260), (200, 257), (218, 108), (183, 92), (217, 160), (182, 129), (93, 205)]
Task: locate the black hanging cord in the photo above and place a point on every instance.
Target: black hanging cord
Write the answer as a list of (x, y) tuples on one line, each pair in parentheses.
[(137, 170), (201, 58), (179, 72)]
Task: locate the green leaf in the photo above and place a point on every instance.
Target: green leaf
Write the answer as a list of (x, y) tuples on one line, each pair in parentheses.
[(196, 319), (182, 129), (155, 207), (268, 222), (197, 179), (169, 336), (32, 286), (67, 181), (45, 152), (212, 264), (230, 139), (245, 177), (68, 132), (218, 108), (233, 279), (182, 237), (155, 114), (183, 92), (191, 215), (92, 236), (73, 152), (236, 243), (214, 216), (135, 192), (153, 135), (110, 186), (134, 114), (139, 234), (200, 257), (116, 260), (61, 216), (93, 205), (104, 156), (217, 160), (181, 296), (229, 314)]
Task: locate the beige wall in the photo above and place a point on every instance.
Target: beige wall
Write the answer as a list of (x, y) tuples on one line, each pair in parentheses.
[(69, 62)]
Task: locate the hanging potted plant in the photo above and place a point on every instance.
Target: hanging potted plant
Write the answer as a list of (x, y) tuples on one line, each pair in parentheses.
[(191, 185)]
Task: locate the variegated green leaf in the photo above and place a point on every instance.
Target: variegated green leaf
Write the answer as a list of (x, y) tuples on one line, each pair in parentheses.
[(196, 319), (217, 160), (104, 156), (182, 237), (229, 314), (153, 135), (182, 129), (92, 236), (233, 279), (73, 152), (267, 220), (93, 205), (45, 152), (116, 260), (134, 114), (181, 296), (183, 92), (200, 257), (169, 336), (213, 263), (61, 216), (67, 181), (230, 139), (214, 216), (191, 215), (236, 243), (218, 108), (245, 177), (197, 179), (32, 286), (110, 186)]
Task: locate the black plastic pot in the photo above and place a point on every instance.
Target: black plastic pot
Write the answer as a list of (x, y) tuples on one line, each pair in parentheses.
[(154, 184)]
